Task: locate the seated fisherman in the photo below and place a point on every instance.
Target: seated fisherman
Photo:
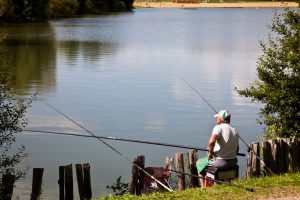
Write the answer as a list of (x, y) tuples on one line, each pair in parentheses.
[(223, 145)]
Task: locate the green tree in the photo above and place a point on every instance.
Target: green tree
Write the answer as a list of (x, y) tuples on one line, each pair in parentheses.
[(24, 10), (278, 84), (12, 112), (63, 8)]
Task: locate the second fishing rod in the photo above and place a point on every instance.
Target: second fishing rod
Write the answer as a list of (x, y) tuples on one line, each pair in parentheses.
[(122, 139)]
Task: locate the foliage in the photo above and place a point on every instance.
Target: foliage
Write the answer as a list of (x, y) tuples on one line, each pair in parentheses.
[(128, 4), (12, 112), (81, 6), (24, 10), (119, 188), (40, 10), (98, 6), (287, 185), (63, 8), (278, 87)]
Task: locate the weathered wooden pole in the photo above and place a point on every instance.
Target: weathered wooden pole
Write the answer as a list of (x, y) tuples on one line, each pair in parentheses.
[(193, 157), (180, 168), (84, 181), (69, 182), (140, 178), (87, 181), (283, 156), (289, 154), (137, 176), (7, 186), (253, 162), (298, 152), (134, 175), (267, 157), (295, 157), (169, 165), (61, 182), (37, 178), (275, 150), (80, 182)]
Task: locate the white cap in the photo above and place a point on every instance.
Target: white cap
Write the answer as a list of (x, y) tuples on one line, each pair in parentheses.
[(223, 115)]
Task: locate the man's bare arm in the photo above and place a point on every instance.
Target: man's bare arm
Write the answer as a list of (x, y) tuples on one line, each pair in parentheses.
[(211, 144)]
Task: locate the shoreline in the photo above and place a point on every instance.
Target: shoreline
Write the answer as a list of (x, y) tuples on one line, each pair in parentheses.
[(145, 4)]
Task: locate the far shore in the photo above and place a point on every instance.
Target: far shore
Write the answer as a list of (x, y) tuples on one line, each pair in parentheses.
[(145, 4)]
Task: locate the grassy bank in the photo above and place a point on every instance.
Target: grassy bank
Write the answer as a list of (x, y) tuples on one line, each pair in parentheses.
[(285, 186)]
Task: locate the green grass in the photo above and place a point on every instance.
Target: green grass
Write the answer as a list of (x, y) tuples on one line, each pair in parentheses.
[(287, 185)]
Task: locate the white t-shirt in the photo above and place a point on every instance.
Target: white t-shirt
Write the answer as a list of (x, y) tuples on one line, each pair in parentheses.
[(227, 141)]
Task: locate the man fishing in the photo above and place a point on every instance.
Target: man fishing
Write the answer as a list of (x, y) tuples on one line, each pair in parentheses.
[(223, 146)]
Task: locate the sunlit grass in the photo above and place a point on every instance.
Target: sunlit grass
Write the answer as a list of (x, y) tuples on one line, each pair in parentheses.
[(287, 185)]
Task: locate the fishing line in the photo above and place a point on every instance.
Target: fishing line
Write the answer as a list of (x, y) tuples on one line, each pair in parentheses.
[(108, 145), (217, 113), (121, 139), (199, 95)]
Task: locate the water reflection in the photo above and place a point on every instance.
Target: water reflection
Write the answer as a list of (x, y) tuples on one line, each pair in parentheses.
[(30, 51), (86, 54)]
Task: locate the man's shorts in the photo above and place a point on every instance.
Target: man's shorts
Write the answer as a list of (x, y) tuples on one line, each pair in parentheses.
[(203, 163)]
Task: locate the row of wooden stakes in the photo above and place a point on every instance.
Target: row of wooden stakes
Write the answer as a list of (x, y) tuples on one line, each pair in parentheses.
[(137, 184), (65, 183), (276, 156)]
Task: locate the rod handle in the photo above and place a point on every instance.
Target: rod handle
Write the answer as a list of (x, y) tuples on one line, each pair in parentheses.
[(241, 154)]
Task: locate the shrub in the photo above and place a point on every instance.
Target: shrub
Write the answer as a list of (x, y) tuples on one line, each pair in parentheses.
[(63, 8), (24, 11)]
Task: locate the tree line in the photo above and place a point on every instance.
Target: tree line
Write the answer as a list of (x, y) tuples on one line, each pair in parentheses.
[(41, 10)]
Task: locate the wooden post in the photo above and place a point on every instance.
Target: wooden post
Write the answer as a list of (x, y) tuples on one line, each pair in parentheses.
[(298, 156), (267, 157), (134, 175), (274, 150), (84, 181), (140, 177), (180, 168), (68, 182), (61, 183), (193, 157), (87, 181), (7, 186), (295, 165), (79, 174), (137, 178), (282, 159), (37, 178), (287, 154), (253, 163), (169, 164)]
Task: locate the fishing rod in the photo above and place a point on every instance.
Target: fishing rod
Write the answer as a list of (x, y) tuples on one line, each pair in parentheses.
[(108, 145), (122, 139), (217, 113), (216, 181)]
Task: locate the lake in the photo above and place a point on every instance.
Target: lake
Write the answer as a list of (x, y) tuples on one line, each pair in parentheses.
[(121, 75)]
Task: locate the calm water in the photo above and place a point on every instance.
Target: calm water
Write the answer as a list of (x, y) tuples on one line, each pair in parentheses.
[(120, 75)]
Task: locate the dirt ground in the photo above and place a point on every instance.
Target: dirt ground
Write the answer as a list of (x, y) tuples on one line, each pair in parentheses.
[(146, 4)]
